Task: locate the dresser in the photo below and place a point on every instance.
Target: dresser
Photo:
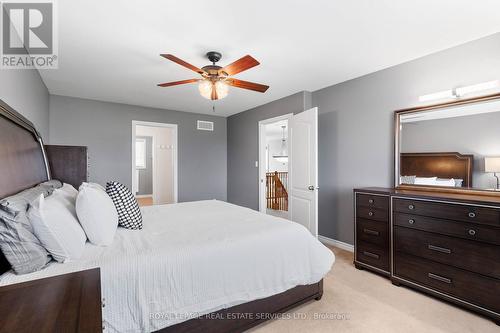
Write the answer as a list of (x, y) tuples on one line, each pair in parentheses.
[(372, 234), (447, 245)]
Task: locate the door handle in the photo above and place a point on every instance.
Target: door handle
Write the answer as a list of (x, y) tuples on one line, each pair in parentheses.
[(310, 188)]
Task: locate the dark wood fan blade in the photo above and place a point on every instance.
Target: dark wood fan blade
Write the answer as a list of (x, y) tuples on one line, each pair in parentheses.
[(181, 62), (240, 65), (247, 85), (168, 84)]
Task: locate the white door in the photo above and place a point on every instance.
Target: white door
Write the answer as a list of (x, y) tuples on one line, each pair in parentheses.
[(304, 170)]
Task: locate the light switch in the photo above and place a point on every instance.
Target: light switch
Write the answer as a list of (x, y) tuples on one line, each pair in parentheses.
[(256, 164)]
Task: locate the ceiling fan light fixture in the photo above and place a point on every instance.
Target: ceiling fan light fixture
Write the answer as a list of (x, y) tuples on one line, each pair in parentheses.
[(216, 80), (205, 88), (283, 157), (221, 88)]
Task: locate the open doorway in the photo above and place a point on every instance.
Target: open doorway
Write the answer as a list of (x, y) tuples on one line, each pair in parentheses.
[(154, 163), (288, 168), (274, 148)]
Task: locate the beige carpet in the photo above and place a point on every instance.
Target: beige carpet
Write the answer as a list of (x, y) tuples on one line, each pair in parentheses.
[(359, 301)]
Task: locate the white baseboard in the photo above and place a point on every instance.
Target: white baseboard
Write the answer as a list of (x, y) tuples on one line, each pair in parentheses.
[(144, 196), (336, 243)]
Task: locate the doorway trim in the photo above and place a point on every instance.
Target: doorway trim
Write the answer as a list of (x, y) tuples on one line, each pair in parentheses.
[(174, 153), (261, 179)]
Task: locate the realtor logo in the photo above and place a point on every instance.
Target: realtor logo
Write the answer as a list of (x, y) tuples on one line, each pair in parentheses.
[(28, 34)]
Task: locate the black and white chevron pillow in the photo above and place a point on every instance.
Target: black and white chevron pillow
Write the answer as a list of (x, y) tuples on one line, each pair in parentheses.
[(129, 214)]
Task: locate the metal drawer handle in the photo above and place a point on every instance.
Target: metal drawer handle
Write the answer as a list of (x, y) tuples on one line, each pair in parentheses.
[(439, 249), (411, 221), (411, 207), (370, 213), (472, 215), (371, 232), (370, 201), (472, 232), (439, 278), (371, 255)]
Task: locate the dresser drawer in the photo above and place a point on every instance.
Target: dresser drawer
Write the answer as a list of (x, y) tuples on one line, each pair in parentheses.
[(472, 231), (456, 212), (376, 256), (374, 232), (473, 256), (373, 201), (474, 288), (373, 214)]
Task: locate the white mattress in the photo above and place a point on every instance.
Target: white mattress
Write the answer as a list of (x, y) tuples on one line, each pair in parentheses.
[(195, 258)]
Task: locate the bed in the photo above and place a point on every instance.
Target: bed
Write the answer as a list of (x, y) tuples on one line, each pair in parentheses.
[(195, 267), (442, 165)]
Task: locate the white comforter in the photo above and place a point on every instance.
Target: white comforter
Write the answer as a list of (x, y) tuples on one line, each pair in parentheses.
[(195, 258)]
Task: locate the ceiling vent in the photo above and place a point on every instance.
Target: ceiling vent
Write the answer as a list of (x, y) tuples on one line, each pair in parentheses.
[(205, 125)]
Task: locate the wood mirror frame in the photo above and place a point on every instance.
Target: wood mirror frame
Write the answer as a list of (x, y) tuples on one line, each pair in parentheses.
[(397, 133)]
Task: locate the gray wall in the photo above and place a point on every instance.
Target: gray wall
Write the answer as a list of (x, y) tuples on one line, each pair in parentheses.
[(243, 146), (146, 175), (25, 92), (478, 135), (356, 127), (106, 128), (356, 122)]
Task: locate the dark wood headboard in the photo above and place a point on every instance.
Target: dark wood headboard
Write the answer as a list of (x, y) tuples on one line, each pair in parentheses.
[(441, 165), (69, 164), (23, 162)]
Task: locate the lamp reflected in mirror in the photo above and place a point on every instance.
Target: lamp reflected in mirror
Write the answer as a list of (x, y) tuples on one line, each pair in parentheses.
[(492, 165)]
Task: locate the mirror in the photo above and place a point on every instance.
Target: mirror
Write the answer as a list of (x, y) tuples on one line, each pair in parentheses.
[(452, 145)]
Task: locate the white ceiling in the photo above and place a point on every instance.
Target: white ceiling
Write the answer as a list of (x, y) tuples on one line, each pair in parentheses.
[(109, 50)]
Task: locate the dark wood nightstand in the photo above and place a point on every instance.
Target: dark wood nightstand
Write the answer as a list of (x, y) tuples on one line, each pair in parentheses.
[(63, 303)]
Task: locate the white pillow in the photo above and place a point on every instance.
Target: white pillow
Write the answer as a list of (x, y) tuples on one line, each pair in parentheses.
[(55, 224), (457, 182), (94, 185), (407, 179), (425, 180), (97, 214), (68, 191), (445, 182)]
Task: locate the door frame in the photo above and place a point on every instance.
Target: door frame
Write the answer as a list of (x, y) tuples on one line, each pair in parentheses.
[(261, 179), (173, 127)]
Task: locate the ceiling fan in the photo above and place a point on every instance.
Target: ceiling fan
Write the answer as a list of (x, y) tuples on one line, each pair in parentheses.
[(216, 80)]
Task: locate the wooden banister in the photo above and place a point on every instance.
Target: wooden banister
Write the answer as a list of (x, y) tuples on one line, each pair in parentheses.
[(277, 190)]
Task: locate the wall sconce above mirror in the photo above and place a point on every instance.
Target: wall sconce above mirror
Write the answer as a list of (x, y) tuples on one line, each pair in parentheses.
[(452, 147)]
